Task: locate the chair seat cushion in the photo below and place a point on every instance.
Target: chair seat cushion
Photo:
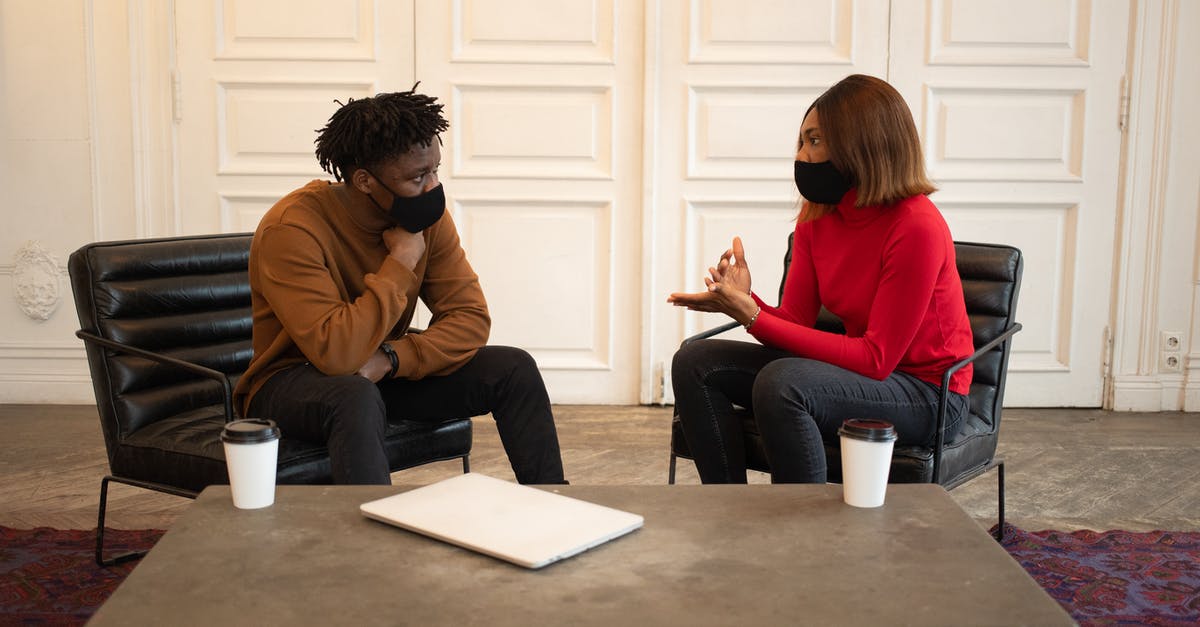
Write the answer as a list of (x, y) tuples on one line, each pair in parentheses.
[(185, 450)]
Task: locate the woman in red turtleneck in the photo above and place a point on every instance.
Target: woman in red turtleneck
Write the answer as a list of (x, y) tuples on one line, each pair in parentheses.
[(871, 248)]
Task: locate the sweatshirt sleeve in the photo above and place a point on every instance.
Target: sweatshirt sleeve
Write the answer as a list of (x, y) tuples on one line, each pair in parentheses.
[(461, 322), (336, 336), (911, 261)]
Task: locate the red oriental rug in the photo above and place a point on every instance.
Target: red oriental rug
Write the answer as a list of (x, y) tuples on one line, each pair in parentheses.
[(1115, 577), (50, 577)]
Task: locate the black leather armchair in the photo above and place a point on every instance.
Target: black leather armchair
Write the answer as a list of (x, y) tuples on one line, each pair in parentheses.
[(991, 276), (167, 328)]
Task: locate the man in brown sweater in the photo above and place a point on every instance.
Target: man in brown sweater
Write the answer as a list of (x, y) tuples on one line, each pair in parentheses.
[(336, 269)]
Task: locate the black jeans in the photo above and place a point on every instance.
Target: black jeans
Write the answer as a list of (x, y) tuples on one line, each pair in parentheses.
[(349, 413), (798, 404)]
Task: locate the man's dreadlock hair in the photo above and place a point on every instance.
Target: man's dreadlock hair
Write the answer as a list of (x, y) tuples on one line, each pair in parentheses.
[(367, 132)]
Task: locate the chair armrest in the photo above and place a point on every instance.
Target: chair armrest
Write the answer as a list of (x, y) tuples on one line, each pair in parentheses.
[(203, 371), (703, 335), (944, 400), (982, 349)]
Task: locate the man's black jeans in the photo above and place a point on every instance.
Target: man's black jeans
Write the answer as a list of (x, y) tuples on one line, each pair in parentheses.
[(348, 413)]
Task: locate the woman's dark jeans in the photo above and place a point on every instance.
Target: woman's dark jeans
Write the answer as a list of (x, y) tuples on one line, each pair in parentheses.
[(798, 404)]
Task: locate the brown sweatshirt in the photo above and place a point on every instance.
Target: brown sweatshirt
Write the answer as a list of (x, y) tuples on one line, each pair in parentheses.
[(324, 290)]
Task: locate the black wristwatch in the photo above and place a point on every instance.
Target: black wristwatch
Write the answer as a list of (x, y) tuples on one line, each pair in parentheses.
[(391, 355)]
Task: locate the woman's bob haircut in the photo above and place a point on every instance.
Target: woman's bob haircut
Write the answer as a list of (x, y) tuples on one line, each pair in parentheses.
[(871, 139)]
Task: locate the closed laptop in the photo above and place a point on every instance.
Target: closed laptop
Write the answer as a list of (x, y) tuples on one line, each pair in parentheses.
[(524, 525)]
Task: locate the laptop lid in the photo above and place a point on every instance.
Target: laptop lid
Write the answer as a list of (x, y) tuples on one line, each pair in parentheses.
[(523, 525)]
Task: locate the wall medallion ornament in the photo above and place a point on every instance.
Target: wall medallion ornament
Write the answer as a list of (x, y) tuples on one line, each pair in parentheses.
[(36, 281)]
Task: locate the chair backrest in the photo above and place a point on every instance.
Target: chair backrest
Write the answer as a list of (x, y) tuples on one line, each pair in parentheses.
[(991, 279), (185, 297)]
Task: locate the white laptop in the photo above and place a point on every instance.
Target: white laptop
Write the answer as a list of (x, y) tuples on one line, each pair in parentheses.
[(523, 525)]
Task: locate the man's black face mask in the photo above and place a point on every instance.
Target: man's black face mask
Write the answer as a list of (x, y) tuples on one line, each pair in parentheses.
[(414, 213)]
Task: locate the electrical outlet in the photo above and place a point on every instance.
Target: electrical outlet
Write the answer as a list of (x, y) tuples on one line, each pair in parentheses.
[(1170, 352)]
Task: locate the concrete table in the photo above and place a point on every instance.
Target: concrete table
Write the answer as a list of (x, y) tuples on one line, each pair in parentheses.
[(707, 555)]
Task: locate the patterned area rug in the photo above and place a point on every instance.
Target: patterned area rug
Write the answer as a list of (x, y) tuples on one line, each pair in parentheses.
[(1115, 577), (50, 577)]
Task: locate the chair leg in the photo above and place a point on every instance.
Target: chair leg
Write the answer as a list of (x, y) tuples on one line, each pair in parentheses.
[(671, 471), (1000, 505), (157, 487), (117, 559), (466, 464)]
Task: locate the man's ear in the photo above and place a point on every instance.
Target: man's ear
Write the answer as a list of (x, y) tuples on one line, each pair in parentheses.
[(361, 180)]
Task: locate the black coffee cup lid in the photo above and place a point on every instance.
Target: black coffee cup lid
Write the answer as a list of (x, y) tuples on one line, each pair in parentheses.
[(868, 429), (250, 431)]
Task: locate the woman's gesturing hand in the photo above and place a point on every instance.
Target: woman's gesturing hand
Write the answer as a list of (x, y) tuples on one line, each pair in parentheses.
[(728, 288)]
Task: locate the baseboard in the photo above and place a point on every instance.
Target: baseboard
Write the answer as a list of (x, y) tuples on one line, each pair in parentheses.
[(1191, 389), (1150, 393), (49, 389), (1191, 396)]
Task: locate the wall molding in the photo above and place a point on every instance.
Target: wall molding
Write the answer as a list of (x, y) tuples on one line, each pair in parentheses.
[(155, 111), (129, 56), (1136, 384), (45, 372), (653, 386), (1191, 363), (48, 388)]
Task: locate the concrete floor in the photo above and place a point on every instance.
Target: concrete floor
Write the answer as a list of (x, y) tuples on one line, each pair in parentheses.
[(1065, 468)]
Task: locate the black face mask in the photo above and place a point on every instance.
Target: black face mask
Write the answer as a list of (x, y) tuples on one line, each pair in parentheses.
[(414, 213), (820, 182)]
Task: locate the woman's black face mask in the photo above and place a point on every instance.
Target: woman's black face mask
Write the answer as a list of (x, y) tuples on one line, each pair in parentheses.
[(414, 213), (820, 182)]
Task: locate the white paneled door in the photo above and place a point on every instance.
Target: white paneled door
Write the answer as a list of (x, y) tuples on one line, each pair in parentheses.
[(731, 87), (540, 163), (1018, 104), (542, 170), (255, 79), (602, 153)]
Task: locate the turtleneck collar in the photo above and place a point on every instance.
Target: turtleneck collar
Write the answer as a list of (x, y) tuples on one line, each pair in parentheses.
[(857, 216), (360, 210)]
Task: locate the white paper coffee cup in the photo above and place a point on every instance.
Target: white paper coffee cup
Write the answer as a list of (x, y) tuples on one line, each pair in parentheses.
[(251, 456), (866, 460)]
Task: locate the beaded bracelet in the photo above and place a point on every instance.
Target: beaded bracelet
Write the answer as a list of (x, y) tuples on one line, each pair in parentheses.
[(753, 318)]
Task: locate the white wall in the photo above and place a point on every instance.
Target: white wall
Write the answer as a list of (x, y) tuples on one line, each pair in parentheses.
[(1158, 270), (74, 143), (47, 174)]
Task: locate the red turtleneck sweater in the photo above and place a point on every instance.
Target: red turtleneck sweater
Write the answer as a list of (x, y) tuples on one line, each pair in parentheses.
[(889, 273)]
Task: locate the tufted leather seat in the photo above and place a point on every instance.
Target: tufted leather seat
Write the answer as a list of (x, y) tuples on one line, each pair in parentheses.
[(991, 277), (167, 327)]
